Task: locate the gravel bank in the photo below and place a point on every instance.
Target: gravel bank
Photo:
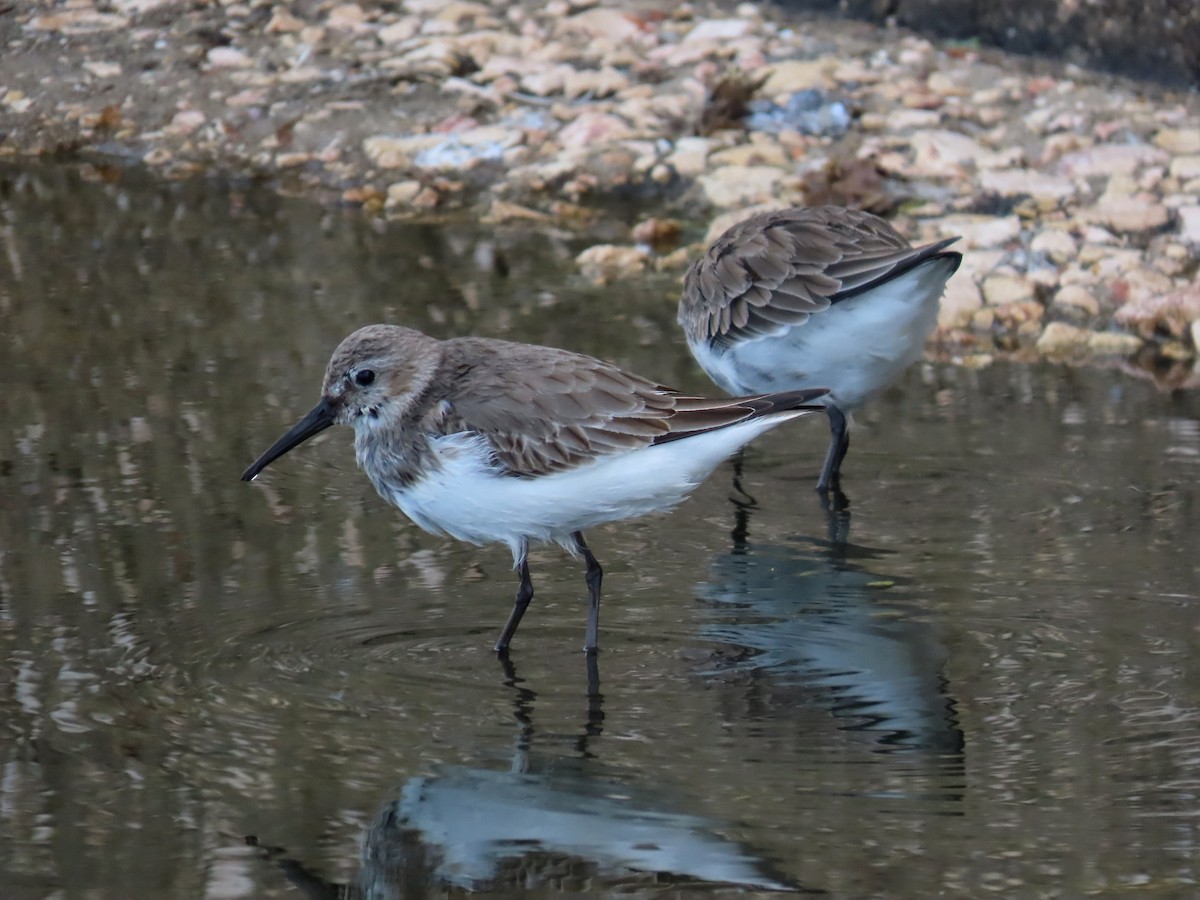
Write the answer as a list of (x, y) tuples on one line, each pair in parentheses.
[(1077, 195)]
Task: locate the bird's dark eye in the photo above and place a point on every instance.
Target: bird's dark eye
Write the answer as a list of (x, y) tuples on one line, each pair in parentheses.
[(363, 377)]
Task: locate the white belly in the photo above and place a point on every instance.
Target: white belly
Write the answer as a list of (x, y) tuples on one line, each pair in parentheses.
[(855, 348), (466, 497)]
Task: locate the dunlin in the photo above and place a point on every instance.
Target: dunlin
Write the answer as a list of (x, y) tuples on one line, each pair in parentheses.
[(492, 441), (814, 296)]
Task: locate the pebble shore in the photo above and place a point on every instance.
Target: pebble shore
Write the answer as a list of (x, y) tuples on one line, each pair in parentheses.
[(1077, 195)]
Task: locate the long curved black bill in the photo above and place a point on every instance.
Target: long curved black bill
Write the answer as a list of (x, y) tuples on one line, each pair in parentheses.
[(318, 419)]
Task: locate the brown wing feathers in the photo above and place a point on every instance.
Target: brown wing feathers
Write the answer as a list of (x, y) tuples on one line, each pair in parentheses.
[(568, 409), (776, 269)]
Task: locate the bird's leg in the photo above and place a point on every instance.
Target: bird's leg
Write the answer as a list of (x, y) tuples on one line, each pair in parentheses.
[(737, 482), (591, 640), (524, 595), (839, 443)]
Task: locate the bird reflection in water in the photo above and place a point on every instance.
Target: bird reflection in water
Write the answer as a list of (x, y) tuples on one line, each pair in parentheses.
[(809, 616), (552, 820)]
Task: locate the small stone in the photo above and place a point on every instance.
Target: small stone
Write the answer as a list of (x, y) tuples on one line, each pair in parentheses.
[(1185, 168), (609, 25), (939, 153), (390, 152), (398, 32), (1153, 314), (1113, 343), (103, 69), (186, 122), (730, 186), (1056, 244), (1059, 339), (605, 263), (402, 194), (792, 75), (1110, 159), (347, 17), (596, 83), (999, 290), (1026, 182), (283, 22), (1074, 298), (1189, 224), (751, 155), (690, 157), (592, 128), (227, 58), (16, 101), (1178, 140), (960, 302), (719, 30), (981, 231), (902, 120), (1127, 214), (657, 233)]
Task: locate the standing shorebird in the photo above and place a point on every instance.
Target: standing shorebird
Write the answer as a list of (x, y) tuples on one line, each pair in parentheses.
[(491, 441), (814, 296)]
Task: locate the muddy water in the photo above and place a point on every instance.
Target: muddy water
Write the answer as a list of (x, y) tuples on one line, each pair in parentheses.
[(981, 675)]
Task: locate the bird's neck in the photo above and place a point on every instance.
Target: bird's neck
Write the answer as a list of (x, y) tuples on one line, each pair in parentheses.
[(391, 456)]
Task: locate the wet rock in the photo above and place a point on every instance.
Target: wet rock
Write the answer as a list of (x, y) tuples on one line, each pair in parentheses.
[(959, 304), (660, 234), (948, 154), (401, 194), (592, 128), (719, 30), (1127, 213), (758, 154), (981, 231), (1026, 182), (740, 185), (1189, 224), (612, 27), (1111, 159), (1062, 341), (605, 263), (1153, 314), (1178, 140), (1056, 244), (809, 111), (390, 152), (690, 157), (999, 290), (793, 76), (228, 58), (1075, 300), (1185, 168)]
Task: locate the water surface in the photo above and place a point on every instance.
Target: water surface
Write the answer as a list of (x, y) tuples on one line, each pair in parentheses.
[(979, 676)]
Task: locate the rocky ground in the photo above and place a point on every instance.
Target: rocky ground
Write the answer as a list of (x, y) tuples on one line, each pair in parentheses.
[(1077, 196)]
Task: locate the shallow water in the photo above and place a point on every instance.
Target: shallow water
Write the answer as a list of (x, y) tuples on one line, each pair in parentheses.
[(980, 676)]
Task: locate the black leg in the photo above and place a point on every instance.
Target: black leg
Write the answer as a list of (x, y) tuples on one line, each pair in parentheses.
[(839, 443), (737, 481), (524, 595), (837, 517), (594, 574)]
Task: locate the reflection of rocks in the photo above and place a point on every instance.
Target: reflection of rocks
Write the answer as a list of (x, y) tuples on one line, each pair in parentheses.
[(815, 620)]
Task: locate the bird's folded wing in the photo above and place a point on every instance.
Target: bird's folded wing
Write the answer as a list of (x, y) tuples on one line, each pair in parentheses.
[(777, 269), (545, 410)]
